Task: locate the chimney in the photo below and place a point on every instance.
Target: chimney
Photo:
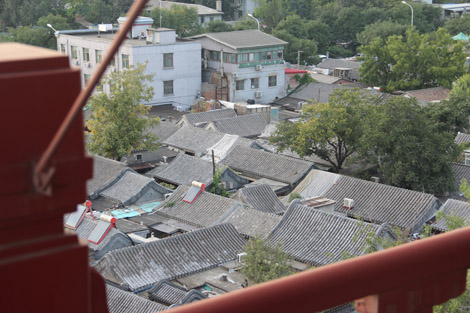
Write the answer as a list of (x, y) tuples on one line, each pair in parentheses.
[(218, 5)]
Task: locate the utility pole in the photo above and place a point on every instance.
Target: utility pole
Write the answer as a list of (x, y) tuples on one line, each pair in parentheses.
[(298, 57)]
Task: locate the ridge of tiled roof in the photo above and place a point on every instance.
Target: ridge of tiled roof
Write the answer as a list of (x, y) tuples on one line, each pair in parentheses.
[(260, 197), (374, 202), (429, 94), (120, 301), (319, 238), (208, 209), (105, 171), (251, 223), (204, 117), (129, 186), (462, 138), (453, 207), (244, 126), (139, 267), (268, 165), (194, 139)]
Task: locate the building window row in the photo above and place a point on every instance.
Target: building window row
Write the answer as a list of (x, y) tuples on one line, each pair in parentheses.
[(254, 83), (246, 57)]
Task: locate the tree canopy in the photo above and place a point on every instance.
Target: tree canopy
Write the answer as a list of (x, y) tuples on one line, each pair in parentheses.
[(118, 121), (184, 20), (332, 130), (408, 149), (264, 262), (413, 62)]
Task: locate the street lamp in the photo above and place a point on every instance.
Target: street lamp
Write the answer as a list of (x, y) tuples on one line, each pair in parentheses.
[(411, 11), (250, 15), (50, 26)]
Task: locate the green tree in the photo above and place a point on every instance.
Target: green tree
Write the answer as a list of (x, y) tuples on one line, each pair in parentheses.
[(457, 25), (452, 115), (217, 188), (417, 61), (218, 26), (407, 147), (184, 20), (245, 23), (272, 12), (118, 120), (264, 262), (99, 11), (381, 29), (332, 130)]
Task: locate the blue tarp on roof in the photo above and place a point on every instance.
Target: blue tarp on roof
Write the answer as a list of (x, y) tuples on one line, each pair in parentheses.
[(460, 36), (124, 213), (148, 207)]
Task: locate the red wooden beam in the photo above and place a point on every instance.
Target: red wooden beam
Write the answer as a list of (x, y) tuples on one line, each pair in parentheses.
[(410, 278)]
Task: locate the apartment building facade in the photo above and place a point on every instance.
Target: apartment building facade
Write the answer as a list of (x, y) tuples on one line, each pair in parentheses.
[(174, 62)]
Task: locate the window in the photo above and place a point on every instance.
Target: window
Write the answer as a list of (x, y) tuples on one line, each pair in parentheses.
[(272, 82), (86, 55), (467, 157), (138, 157), (211, 18), (239, 85), (113, 62), (168, 87), (74, 52), (167, 60), (230, 57), (214, 55), (268, 55), (243, 57), (99, 86), (202, 19), (278, 54), (254, 83), (62, 48), (86, 78), (99, 56), (125, 61)]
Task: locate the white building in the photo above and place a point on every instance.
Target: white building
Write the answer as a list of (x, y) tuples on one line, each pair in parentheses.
[(242, 65), (175, 62)]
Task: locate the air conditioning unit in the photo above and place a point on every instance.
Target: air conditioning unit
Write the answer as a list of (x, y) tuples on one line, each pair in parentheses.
[(86, 64), (259, 67), (258, 94), (235, 75), (241, 256), (75, 62), (348, 204), (204, 63), (375, 179)]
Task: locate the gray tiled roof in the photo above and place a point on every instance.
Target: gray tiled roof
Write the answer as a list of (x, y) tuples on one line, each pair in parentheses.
[(142, 266), (166, 292), (260, 197), (453, 207), (319, 238), (461, 172), (251, 223), (120, 301), (462, 138), (155, 218), (245, 126), (127, 188), (105, 171), (194, 139), (163, 130), (184, 169), (374, 202), (251, 38), (203, 117), (208, 209), (339, 63), (252, 162)]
